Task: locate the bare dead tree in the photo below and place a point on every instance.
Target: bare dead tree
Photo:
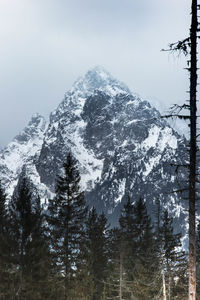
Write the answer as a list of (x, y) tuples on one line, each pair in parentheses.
[(193, 153), (189, 46)]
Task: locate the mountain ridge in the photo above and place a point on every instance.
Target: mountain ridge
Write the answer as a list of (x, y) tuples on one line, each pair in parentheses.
[(122, 144)]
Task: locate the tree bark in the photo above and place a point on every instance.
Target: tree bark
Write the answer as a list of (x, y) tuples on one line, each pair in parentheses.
[(121, 276), (164, 287), (193, 152)]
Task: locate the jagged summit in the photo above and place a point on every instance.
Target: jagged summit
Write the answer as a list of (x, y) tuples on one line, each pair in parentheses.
[(122, 145), (35, 127), (98, 78), (22, 151)]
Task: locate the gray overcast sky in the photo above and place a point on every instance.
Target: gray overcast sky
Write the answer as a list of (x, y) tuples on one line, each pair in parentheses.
[(46, 44)]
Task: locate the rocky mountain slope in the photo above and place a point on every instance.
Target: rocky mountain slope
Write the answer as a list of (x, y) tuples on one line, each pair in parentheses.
[(122, 144)]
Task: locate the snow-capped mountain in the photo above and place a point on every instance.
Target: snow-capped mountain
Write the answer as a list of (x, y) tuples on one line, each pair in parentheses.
[(22, 153), (122, 144)]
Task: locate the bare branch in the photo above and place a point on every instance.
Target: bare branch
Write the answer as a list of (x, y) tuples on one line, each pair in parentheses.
[(181, 46)]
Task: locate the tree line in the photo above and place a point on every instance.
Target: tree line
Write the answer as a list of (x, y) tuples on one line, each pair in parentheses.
[(69, 252)]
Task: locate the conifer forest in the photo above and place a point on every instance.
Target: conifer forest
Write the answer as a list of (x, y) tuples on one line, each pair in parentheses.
[(101, 201), (68, 251)]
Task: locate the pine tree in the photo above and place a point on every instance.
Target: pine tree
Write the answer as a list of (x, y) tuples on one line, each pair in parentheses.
[(5, 266), (146, 282), (97, 252), (66, 218), (121, 256), (113, 288), (174, 262), (29, 248), (141, 277), (39, 259), (127, 238)]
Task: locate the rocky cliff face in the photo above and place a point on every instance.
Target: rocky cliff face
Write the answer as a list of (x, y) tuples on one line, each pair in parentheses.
[(122, 144), (22, 153)]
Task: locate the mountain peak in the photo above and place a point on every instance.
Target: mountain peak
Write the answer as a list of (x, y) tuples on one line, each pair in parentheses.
[(100, 72), (99, 78), (35, 127), (37, 120), (96, 79), (122, 145)]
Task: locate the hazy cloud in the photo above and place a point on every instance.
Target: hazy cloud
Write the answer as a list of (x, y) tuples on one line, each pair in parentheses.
[(47, 44)]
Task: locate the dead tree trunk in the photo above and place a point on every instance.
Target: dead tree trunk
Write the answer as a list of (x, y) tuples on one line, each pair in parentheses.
[(183, 46), (121, 276), (164, 286), (193, 153)]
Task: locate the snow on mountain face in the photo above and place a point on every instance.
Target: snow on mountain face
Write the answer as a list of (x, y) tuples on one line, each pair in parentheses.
[(23, 150), (67, 128), (121, 143)]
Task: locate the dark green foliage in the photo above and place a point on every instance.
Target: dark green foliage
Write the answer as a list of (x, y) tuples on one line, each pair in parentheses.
[(66, 217), (5, 266), (174, 260), (127, 222), (128, 236), (97, 252), (112, 284), (3, 222), (146, 269), (78, 257), (170, 240), (120, 266), (135, 271), (29, 247)]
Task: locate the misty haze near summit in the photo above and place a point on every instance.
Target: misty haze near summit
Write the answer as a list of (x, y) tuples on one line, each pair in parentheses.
[(46, 45)]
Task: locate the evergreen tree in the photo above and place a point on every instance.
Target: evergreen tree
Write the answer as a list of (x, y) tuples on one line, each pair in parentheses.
[(66, 218), (113, 288), (127, 238), (146, 277), (121, 257), (138, 261), (5, 266), (29, 248), (174, 262), (97, 252), (39, 259)]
